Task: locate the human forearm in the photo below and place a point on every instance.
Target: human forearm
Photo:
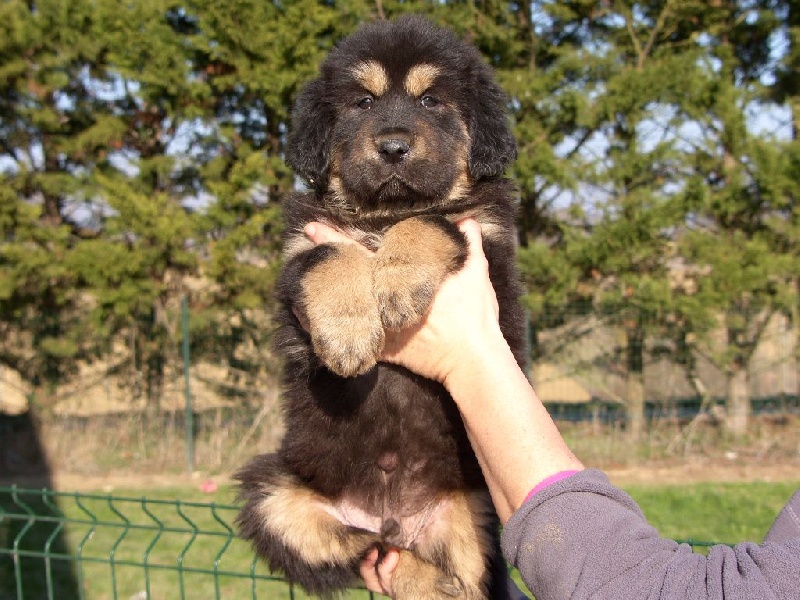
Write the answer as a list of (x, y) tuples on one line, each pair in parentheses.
[(514, 438)]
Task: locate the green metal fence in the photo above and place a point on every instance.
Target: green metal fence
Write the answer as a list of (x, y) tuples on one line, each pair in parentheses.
[(76, 546), (70, 546)]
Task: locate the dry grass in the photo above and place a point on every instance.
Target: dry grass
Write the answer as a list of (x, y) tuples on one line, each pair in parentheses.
[(138, 445), (771, 439), (138, 442)]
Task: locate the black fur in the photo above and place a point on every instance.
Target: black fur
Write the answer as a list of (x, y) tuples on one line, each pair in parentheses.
[(337, 428), (407, 41)]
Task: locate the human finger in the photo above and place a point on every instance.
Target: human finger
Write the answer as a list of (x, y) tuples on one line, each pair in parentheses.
[(474, 235), (320, 233), (385, 570), (369, 572), (471, 230), (377, 574), (477, 263)]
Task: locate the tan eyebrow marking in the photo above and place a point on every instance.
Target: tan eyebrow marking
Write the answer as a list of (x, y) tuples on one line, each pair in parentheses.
[(372, 76), (420, 77)]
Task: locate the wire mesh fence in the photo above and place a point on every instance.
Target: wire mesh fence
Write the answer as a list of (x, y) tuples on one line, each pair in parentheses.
[(79, 546), (70, 546)]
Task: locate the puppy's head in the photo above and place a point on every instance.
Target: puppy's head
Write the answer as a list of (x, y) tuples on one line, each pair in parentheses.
[(403, 115)]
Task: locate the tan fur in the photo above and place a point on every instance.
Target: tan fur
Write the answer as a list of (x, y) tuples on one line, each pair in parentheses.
[(305, 523), (298, 516), (411, 263), (462, 530), (420, 78), (372, 76), (468, 540), (491, 230), (462, 186), (336, 198), (341, 312), (415, 579)]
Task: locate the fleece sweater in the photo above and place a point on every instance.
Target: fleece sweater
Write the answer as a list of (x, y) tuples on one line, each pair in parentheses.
[(581, 537)]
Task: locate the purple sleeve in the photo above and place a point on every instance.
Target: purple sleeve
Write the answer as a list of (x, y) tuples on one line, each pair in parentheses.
[(584, 538), (787, 524)]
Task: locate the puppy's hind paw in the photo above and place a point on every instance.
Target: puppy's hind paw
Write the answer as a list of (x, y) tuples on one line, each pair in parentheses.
[(415, 579), (450, 587)]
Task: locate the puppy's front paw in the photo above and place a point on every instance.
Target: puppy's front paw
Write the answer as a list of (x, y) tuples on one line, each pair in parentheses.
[(348, 344), (414, 258), (403, 292), (341, 313)]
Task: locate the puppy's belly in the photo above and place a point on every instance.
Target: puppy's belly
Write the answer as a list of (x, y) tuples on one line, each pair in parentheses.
[(401, 530)]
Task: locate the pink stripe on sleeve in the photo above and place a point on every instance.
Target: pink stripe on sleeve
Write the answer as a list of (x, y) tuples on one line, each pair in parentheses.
[(549, 481)]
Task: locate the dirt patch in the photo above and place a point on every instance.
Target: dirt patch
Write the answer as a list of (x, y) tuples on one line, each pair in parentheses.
[(698, 470), (130, 482), (652, 473)]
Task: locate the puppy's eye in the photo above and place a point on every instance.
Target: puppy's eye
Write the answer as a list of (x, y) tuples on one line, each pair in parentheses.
[(365, 103), (429, 101)]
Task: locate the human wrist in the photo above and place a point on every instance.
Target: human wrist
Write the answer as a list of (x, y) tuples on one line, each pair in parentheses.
[(479, 356)]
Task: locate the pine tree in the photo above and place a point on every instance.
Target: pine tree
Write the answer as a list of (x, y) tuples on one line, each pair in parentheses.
[(625, 165), (53, 126), (784, 181), (726, 196)]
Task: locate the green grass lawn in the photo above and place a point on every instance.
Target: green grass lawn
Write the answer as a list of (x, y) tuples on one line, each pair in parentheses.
[(718, 512), (131, 547)]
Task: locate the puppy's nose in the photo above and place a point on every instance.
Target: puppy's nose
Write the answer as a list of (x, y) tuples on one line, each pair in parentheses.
[(393, 150)]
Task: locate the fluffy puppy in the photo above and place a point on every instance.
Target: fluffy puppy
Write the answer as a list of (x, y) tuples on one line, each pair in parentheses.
[(403, 133)]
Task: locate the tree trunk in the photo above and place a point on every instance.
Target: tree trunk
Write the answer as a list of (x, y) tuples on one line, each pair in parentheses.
[(634, 395), (634, 383), (738, 408)]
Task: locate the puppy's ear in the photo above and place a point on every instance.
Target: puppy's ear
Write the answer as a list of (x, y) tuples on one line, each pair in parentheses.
[(493, 147), (308, 146)]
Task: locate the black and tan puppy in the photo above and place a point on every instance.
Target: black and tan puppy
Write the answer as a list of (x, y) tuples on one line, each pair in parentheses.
[(403, 134)]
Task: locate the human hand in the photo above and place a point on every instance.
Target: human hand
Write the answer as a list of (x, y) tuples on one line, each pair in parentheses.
[(376, 573), (462, 317)]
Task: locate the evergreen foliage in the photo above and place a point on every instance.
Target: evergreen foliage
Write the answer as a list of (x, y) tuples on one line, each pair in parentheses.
[(141, 156)]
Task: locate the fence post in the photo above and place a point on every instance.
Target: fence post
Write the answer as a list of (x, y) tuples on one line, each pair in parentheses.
[(187, 392)]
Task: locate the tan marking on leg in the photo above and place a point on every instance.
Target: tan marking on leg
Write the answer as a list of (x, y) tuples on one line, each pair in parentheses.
[(420, 78), (297, 516), (450, 558), (416, 579), (409, 267), (342, 313), (469, 538), (372, 76)]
